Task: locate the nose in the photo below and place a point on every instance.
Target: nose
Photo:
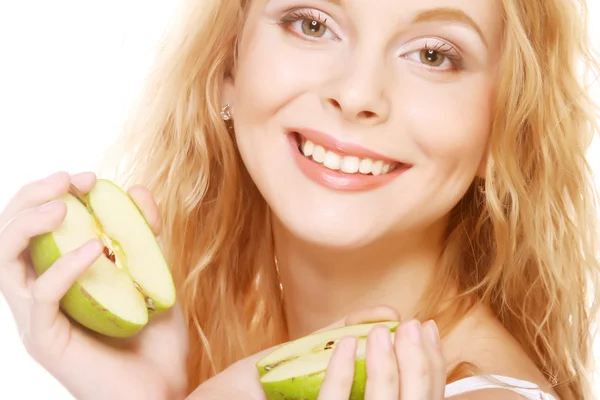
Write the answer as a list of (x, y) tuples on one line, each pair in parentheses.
[(358, 91)]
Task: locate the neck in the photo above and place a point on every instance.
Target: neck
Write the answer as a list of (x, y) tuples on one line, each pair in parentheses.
[(322, 285)]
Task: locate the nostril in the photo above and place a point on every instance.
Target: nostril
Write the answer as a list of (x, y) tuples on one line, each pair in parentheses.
[(335, 103), (351, 112), (366, 114)]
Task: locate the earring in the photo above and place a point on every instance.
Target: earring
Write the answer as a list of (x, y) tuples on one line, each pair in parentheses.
[(226, 112)]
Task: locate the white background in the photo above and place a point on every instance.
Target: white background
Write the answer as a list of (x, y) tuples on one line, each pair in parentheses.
[(69, 70)]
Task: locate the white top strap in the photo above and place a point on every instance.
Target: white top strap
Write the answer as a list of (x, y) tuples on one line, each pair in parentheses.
[(524, 388)]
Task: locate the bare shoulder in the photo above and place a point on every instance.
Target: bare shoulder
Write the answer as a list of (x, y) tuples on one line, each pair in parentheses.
[(482, 340)]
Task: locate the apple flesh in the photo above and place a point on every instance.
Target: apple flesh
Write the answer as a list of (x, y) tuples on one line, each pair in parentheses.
[(297, 369), (128, 284)]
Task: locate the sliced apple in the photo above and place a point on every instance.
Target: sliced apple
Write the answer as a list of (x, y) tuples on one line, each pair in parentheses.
[(296, 370), (129, 283)]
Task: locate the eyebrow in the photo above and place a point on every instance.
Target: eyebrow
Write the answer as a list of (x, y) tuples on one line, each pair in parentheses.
[(438, 14), (449, 14)]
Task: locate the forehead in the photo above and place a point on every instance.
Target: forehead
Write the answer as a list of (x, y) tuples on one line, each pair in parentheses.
[(389, 6)]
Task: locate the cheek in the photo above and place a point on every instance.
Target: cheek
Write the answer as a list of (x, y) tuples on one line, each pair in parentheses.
[(450, 123), (273, 70)]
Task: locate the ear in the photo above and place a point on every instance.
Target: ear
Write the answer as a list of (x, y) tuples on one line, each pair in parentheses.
[(228, 93)]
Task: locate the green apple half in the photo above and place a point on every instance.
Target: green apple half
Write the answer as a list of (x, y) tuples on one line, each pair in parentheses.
[(129, 283), (297, 369)]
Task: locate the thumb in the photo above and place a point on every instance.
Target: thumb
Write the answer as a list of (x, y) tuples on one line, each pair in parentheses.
[(380, 313), (145, 201)]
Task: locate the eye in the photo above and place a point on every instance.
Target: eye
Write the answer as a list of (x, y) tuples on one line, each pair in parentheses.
[(313, 28), (431, 57), (440, 58), (308, 23)]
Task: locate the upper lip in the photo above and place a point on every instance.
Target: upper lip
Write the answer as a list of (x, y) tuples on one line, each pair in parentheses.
[(339, 147)]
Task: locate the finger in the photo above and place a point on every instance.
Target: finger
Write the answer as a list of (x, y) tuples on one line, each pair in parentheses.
[(415, 376), (382, 369), (35, 193), (15, 236), (437, 363), (44, 190), (339, 376), (52, 285), (147, 205), (372, 314), (84, 181), (365, 315)]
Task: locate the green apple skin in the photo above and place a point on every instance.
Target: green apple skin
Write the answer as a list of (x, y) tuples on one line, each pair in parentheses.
[(307, 387), (331, 334), (77, 303)]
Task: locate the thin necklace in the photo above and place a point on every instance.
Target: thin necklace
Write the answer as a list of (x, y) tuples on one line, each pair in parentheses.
[(278, 275)]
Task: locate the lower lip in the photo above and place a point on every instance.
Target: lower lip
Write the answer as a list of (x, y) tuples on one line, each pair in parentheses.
[(338, 180)]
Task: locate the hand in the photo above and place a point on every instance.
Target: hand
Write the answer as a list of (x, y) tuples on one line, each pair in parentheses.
[(241, 380), (150, 366), (411, 368)]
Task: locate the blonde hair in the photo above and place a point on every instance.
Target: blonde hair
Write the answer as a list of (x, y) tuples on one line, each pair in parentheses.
[(523, 240)]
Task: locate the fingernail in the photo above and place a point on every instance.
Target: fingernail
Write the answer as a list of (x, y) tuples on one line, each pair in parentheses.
[(92, 245), (50, 206), (433, 332), (384, 338), (413, 330), (55, 175)]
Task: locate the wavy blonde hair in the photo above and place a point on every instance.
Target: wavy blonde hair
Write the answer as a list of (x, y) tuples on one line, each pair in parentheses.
[(524, 240)]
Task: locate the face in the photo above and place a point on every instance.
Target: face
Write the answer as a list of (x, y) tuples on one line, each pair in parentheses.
[(360, 120)]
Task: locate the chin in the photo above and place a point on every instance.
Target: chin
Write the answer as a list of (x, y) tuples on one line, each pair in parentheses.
[(330, 233)]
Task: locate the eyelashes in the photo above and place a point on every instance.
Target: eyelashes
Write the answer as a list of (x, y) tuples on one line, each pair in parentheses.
[(312, 22), (444, 51), (302, 14), (436, 55)]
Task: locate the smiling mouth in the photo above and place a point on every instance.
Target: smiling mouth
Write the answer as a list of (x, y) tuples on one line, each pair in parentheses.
[(347, 164)]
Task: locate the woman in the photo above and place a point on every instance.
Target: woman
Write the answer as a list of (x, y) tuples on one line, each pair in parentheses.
[(326, 162)]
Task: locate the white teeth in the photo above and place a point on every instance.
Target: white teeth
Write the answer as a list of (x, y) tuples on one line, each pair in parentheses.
[(377, 167), (308, 148), (332, 161), (319, 154), (350, 164), (347, 164), (365, 166)]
